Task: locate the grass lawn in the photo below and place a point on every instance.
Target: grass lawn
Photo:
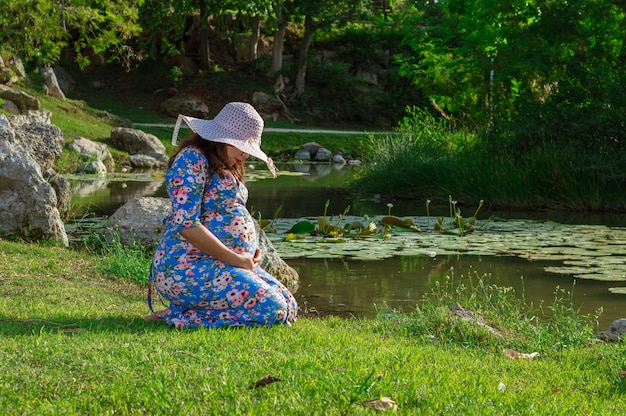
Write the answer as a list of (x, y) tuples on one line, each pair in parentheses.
[(73, 342)]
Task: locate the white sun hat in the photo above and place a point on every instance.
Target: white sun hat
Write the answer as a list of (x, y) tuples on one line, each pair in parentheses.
[(237, 124)]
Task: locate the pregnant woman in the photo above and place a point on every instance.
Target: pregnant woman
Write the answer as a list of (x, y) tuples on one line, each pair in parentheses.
[(207, 262)]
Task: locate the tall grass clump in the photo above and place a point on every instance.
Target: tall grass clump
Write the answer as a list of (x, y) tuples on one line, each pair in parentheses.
[(427, 159), (470, 311), (127, 262), (411, 162)]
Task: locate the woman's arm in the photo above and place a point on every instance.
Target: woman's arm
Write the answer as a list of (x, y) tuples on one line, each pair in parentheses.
[(203, 239)]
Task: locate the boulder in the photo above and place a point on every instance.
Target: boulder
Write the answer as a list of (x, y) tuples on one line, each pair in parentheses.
[(302, 155), (28, 202), (65, 81), (267, 105), (22, 100), (147, 162), (95, 167), (188, 106), (42, 140), (88, 149), (51, 83), (63, 190), (616, 331), (323, 155), (140, 221), (137, 142)]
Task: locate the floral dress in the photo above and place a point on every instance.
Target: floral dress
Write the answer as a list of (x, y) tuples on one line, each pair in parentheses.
[(202, 290)]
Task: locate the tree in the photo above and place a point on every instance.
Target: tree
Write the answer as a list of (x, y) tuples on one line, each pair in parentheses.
[(39, 30), (527, 70), (282, 10), (319, 15)]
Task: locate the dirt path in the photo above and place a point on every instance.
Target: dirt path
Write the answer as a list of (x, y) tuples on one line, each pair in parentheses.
[(280, 130)]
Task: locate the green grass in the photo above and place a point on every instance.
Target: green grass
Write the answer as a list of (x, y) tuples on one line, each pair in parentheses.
[(435, 163), (74, 342), (77, 119)]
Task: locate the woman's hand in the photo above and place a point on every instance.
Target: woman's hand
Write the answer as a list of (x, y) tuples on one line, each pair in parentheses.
[(203, 239), (249, 261), (257, 257)]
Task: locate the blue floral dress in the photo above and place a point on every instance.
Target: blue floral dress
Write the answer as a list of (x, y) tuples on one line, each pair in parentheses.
[(202, 290)]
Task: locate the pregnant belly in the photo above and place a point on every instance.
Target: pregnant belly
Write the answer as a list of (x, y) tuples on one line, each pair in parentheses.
[(236, 230)]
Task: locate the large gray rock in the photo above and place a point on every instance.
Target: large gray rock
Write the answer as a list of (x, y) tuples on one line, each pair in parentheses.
[(43, 141), (616, 332), (88, 149), (51, 83), (63, 190), (64, 79), (188, 106), (95, 167), (137, 142), (140, 221), (28, 202), (22, 100)]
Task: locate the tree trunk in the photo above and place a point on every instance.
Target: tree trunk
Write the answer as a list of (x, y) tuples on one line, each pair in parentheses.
[(254, 39), (204, 54), (277, 50), (303, 56)]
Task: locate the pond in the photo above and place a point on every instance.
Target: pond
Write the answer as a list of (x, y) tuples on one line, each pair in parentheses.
[(535, 254)]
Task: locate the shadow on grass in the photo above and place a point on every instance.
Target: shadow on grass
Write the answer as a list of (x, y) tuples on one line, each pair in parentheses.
[(65, 325)]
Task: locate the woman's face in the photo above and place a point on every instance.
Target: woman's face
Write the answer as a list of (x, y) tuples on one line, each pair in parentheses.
[(235, 155)]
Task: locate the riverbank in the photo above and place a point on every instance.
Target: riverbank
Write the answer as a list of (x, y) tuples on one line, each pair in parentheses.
[(74, 343)]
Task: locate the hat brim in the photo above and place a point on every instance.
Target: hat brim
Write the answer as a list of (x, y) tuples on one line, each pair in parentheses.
[(209, 130)]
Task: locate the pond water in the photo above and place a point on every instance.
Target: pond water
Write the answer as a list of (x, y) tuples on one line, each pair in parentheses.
[(343, 286)]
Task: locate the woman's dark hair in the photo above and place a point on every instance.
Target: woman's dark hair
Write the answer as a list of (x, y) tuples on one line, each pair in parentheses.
[(215, 152)]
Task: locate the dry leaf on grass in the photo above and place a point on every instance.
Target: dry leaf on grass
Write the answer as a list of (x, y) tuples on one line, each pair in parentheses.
[(384, 403), (621, 373), (514, 355), (264, 382)]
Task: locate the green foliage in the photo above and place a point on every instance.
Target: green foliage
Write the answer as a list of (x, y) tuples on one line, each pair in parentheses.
[(429, 160), (498, 317), (39, 30), (526, 71)]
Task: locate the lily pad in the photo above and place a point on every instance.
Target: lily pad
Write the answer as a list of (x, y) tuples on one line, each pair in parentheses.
[(585, 251)]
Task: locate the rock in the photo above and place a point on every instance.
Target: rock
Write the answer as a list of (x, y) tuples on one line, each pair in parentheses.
[(63, 190), (302, 154), (65, 81), (140, 220), (11, 70), (88, 149), (10, 107), (267, 105), (147, 162), (323, 155), (94, 167), (42, 140), (136, 142), (273, 264), (339, 160), (51, 83), (28, 202), (22, 100), (188, 106), (31, 116), (615, 333), (312, 148)]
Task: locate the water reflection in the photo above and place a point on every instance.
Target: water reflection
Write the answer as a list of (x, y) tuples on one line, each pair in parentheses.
[(335, 286), (359, 288)]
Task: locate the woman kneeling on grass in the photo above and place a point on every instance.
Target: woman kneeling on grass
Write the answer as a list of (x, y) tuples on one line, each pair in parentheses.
[(207, 262)]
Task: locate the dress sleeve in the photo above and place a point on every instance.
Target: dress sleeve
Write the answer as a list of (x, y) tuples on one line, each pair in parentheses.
[(185, 182)]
